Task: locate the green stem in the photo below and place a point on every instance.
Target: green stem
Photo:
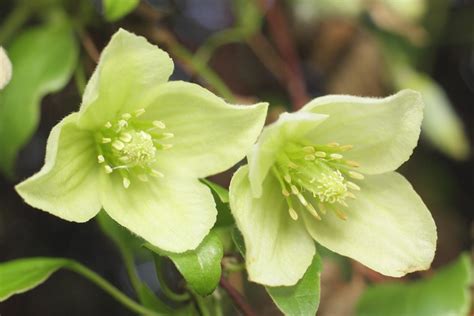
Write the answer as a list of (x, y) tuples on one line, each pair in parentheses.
[(131, 270), (200, 304), (14, 21), (110, 289), (164, 286), (80, 78)]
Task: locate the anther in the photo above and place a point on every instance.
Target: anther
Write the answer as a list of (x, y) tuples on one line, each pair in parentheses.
[(293, 214), (122, 124), (108, 125), (287, 178), (118, 145), (351, 195), (336, 156), (108, 169), (294, 189), (139, 112), (346, 147), (167, 135), (353, 186), (309, 157), (313, 212), (126, 116), (100, 159), (159, 124), (125, 137), (292, 165), (106, 140), (167, 146), (333, 145), (320, 154), (285, 192), (157, 174), (322, 208), (302, 199), (142, 177), (309, 149), (356, 175), (126, 182), (340, 214), (352, 163)]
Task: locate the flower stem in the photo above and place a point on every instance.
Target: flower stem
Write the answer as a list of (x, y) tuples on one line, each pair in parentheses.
[(237, 298), (164, 286), (200, 304), (110, 289)]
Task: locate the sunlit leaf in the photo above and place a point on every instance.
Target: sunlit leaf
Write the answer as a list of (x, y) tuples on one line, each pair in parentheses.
[(43, 60), (201, 267), (446, 293)]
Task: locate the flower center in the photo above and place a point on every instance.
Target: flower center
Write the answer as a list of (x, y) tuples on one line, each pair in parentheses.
[(129, 146), (318, 173)]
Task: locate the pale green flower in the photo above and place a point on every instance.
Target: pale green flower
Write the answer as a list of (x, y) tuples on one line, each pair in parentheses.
[(5, 68), (326, 173), (137, 147)]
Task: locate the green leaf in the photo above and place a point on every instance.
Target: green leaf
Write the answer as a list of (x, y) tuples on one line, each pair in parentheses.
[(43, 60), (221, 197), (116, 9), (303, 297), (200, 267), (22, 275), (446, 293)]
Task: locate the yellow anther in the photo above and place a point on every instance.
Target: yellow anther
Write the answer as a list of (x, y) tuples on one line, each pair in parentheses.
[(287, 178), (139, 112), (167, 135), (292, 165), (333, 145), (125, 137), (346, 147), (340, 214), (351, 195), (167, 146), (285, 192), (106, 140), (309, 157), (320, 154), (122, 124), (313, 212), (118, 145), (294, 189), (293, 214), (157, 174), (356, 175), (159, 124), (309, 149), (126, 182), (100, 159), (126, 116), (336, 156), (353, 186), (108, 125), (142, 177), (302, 199), (352, 163), (108, 169)]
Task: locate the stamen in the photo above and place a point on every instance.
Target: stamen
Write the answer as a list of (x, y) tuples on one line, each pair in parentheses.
[(106, 140), (353, 186), (310, 157), (320, 154), (340, 214), (126, 116), (159, 124), (126, 137), (287, 178), (285, 192), (309, 149), (293, 214), (157, 174), (352, 163), (108, 125), (118, 145), (126, 182), (100, 159), (356, 175), (345, 147), (108, 169), (322, 208), (302, 199), (139, 112), (336, 156), (142, 177), (294, 189), (333, 145), (313, 212), (167, 135)]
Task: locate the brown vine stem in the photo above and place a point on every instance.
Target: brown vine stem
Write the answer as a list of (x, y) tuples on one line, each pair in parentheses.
[(88, 45), (237, 298), (280, 33)]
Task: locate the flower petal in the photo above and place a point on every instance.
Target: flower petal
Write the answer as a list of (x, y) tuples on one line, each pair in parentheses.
[(171, 213), (210, 135), (384, 132), (278, 249), (389, 229), (289, 126), (128, 67), (66, 186)]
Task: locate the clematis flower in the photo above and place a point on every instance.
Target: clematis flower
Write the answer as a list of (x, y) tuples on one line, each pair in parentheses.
[(5, 69), (326, 173), (137, 147)]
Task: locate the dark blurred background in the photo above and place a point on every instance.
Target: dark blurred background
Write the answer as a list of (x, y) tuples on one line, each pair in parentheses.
[(331, 47)]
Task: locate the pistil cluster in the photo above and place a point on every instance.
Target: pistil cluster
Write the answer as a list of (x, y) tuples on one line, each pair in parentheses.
[(320, 171), (129, 146)]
